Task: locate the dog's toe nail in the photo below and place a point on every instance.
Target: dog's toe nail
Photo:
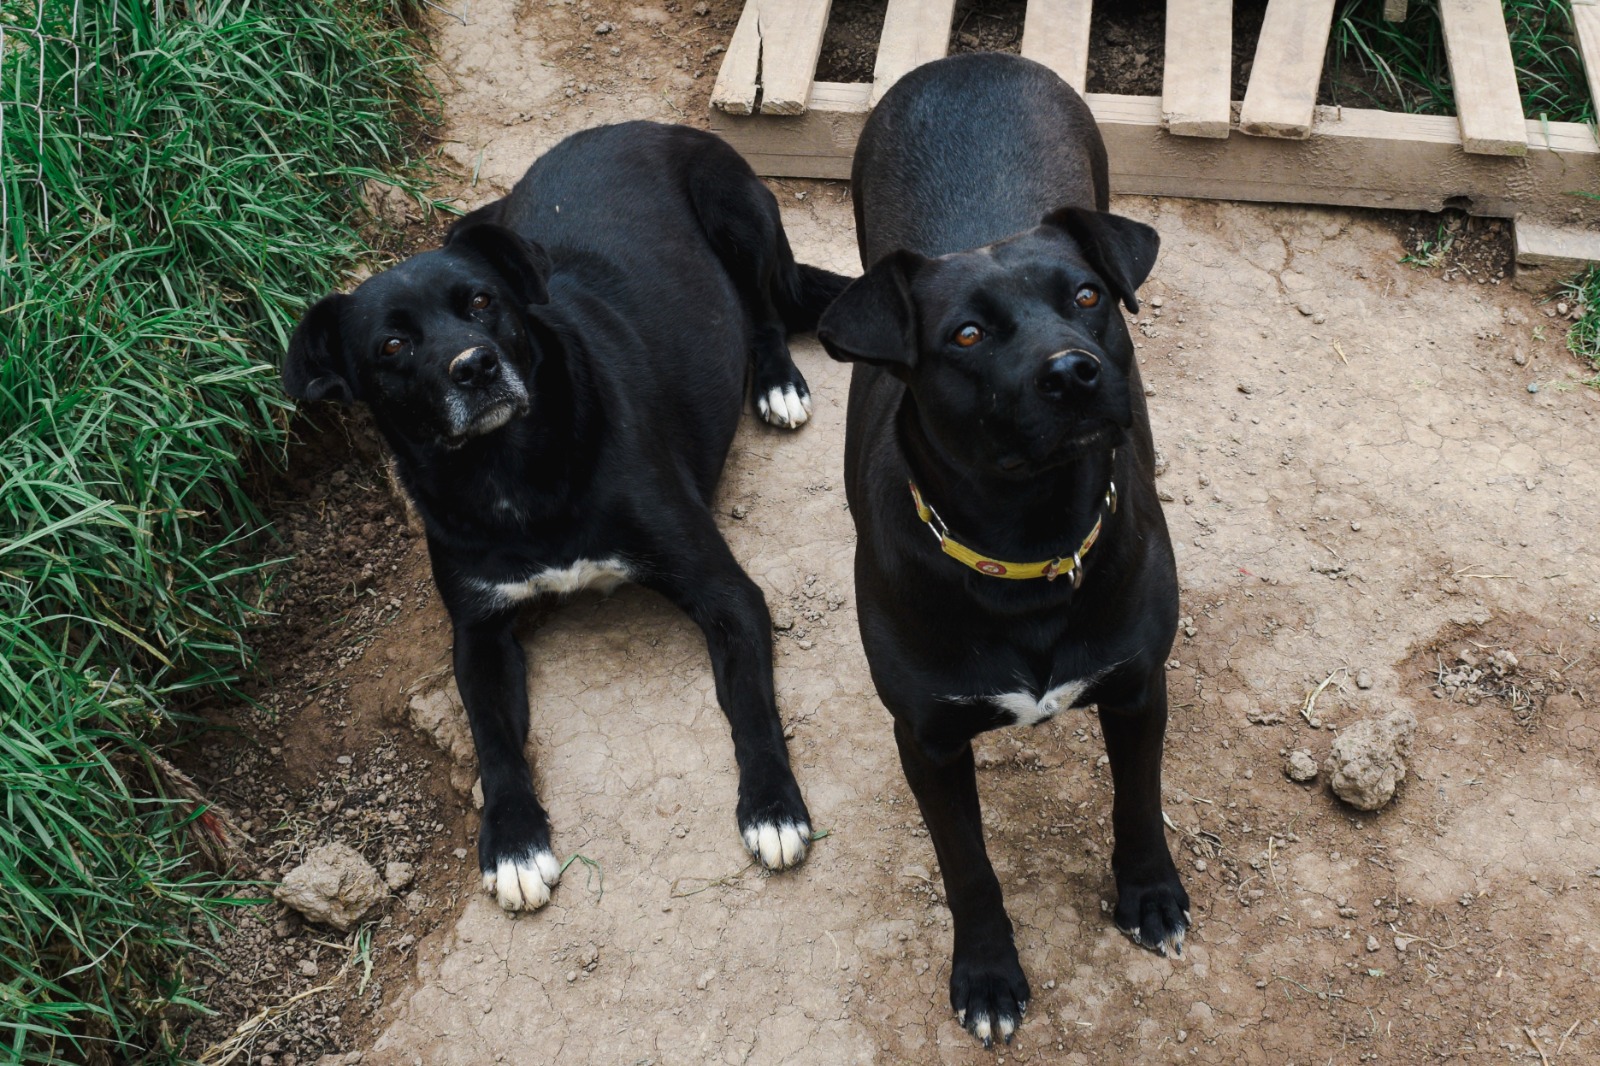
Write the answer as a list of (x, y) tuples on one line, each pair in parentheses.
[(1008, 1028)]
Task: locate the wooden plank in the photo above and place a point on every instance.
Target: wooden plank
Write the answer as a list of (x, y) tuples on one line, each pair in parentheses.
[(1356, 158), (1056, 33), (1586, 20), (1283, 80), (914, 32), (1483, 76), (1199, 67), (1548, 255), (774, 48), (1394, 10), (735, 88)]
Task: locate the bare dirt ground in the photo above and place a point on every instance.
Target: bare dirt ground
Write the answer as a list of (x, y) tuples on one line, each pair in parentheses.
[(1378, 477)]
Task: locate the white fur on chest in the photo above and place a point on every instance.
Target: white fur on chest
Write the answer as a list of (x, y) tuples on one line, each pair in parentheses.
[(1029, 709), (602, 575)]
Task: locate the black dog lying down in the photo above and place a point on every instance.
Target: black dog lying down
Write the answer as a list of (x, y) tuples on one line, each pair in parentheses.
[(560, 384), (1026, 569)]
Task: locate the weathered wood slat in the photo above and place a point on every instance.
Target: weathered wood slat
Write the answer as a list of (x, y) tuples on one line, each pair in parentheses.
[(1282, 94), (1356, 158), (1548, 255), (1586, 19), (1483, 76), (1394, 10), (734, 91), (1195, 81), (914, 32), (1056, 33), (772, 57)]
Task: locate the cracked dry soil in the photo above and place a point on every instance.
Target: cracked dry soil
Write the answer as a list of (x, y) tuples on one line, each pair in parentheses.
[(1363, 491)]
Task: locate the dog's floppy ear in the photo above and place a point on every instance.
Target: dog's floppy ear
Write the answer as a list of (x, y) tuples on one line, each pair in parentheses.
[(1119, 249), (875, 319), (520, 261), (314, 367)]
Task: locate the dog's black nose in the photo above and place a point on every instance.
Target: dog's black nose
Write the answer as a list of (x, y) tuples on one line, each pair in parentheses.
[(1069, 374), (475, 368)]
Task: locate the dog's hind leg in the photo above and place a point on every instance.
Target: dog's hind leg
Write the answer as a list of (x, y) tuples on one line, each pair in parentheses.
[(1152, 906), (988, 989), (741, 220), (702, 577), (519, 869)]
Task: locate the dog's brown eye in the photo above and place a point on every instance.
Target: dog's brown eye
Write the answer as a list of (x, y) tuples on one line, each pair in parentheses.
[(1087, 297), (968, 335), (480, 301), (393, 345)]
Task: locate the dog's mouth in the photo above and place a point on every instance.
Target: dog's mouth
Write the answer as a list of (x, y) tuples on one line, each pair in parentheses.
[(1081, 439), (489, 415)]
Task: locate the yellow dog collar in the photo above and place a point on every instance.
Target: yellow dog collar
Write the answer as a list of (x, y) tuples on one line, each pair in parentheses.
[(1050, 569)]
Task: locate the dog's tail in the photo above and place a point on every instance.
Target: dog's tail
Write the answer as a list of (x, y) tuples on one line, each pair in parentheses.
[(803, 292)]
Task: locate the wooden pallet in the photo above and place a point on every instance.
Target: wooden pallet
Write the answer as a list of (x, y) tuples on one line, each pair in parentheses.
[(1275, 145)]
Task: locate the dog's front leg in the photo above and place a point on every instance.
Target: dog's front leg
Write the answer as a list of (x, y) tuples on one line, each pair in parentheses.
[(514, 853), (987, 986), (1152, 906), (730, 610)]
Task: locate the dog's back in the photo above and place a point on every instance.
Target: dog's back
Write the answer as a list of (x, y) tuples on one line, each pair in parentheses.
[(963, 152)]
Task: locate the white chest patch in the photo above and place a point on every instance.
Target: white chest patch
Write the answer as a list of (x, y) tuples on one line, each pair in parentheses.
[(1031, 710), (602, 575)]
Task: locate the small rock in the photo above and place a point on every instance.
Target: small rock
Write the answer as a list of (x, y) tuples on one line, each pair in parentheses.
[(783, 622), (1372, 943), (1263, 716), (1158, 301), (1368, 759), (1533, 386), (739, 510), (1355, 526), (1363, 679), (307, 967), (334, 886), (1246, 388), (1300, 766), (1200, 865), (1319, 318), (477, 794), (702, 8), (1561, 307), (1519, 357), (602, 28), (1401, 943), (398, 875)]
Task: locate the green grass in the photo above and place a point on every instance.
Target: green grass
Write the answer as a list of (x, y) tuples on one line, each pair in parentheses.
[(1401, 66), (1584, 337), (176, 179)]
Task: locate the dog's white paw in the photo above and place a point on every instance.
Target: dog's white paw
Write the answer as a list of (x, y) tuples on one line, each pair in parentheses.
[(786, 407), (778, 846), (523, 884)]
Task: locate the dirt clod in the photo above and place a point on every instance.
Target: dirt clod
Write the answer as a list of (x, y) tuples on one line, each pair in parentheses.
[(334, 886), (1368, 759), (1300, 766)]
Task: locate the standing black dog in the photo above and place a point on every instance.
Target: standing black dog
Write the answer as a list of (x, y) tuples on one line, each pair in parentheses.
[(560, 384), (1012, 560)]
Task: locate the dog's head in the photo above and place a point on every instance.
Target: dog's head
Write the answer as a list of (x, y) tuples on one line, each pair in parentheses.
[(440, 346), (1015, 353)]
